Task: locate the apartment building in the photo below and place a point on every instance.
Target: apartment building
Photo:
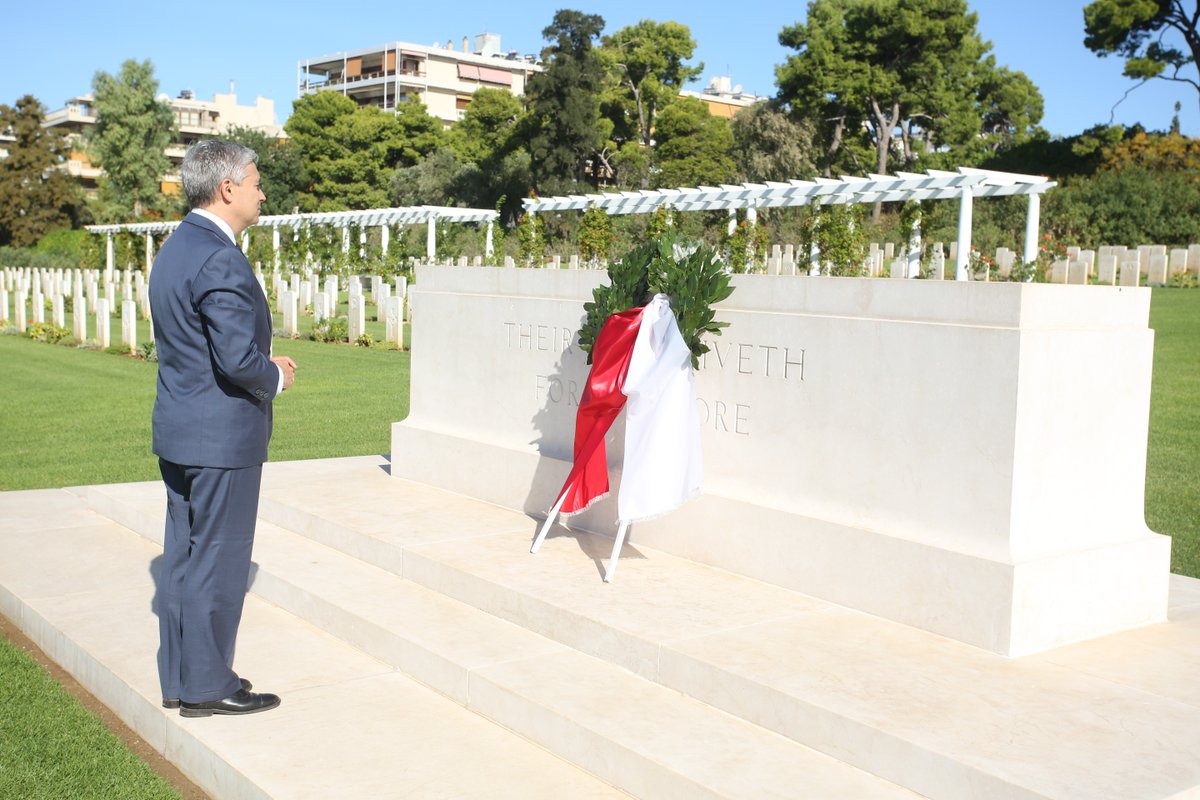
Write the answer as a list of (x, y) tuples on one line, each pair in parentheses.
[(723, 98), (440, 76), (195, 120)]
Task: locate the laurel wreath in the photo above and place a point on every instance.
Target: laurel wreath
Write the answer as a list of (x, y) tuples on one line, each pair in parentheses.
[(691, 275)]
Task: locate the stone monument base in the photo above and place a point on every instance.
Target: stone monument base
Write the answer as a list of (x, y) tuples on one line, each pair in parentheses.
[(965, 458)]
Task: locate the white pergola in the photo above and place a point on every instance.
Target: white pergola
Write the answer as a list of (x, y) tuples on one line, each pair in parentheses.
[(964, 185), (382, 217)]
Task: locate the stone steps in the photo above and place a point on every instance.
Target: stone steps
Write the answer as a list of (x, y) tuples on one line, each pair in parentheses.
[(631, 733), (1117, 717), (350, 725)]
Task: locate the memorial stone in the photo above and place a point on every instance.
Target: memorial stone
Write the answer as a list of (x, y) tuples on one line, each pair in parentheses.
[(897, 269), (1059, 271), (357, 315), (508, 262), (129, 324), (1158, 270), (394, 320), (1106, 268), (39, 303), (320, 306), (574, 262), (91, 290), (1193, 259), (103, 334), (385, 293), (306, 295), (79, 315), (4, 316), (889, 251), (58, 310), (1178, 262), (1077, 272), (289, 300), (19, 311), (1130, 269), (1144, 251), (1004, 261), (1040, 541)]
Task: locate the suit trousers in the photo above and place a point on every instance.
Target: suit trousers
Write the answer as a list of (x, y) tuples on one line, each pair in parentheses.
[(211, 514)]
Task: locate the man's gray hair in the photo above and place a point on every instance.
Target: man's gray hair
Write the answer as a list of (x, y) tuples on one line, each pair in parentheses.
[(208, 163)]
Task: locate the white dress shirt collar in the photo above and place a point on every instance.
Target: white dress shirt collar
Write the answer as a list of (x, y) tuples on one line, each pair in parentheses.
[(222, 224)]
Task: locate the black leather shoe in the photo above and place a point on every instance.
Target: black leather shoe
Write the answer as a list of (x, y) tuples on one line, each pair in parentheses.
[(173, 702), (241, 702)]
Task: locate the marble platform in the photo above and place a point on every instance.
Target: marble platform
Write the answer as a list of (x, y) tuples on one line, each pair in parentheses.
[(422, 652)]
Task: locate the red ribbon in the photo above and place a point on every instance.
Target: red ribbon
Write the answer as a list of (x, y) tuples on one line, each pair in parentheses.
[(601, 403)]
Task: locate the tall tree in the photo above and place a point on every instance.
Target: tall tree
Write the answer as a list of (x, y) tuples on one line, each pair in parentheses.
[(896, 68), (1138, 31), (486, 129), (770, 146), (649, 61), (693, 146), (352, 153), (36, 196), (280, 167), (564, 129), (133, 130)]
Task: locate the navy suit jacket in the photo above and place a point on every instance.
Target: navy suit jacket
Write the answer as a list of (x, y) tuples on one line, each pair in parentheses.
[(212, 327)]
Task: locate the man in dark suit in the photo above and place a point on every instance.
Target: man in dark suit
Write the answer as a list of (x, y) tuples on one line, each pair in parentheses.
[(212, 423)]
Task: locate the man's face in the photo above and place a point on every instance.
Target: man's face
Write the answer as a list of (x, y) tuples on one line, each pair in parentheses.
[(247, 197)]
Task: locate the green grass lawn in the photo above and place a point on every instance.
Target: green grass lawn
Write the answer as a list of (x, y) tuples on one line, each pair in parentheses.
[(76, 417), (1173, 456), (51, 747)]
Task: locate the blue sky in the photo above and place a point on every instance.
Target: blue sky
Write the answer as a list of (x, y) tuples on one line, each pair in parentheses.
[(54, 50)]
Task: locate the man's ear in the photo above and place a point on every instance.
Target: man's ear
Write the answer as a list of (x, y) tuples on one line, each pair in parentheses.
[(225, 190)]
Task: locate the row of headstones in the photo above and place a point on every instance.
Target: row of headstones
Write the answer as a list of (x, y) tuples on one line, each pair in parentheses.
[(1125, 266), (23, 292), (297, 296)]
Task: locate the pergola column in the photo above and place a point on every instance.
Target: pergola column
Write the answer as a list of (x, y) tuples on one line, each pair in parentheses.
[(431, 238), (1032, 224), (963, 257), (732, 221), (275, 246), (108, 256), (149, 251), (345, 238), (488, 249), (385, 237)]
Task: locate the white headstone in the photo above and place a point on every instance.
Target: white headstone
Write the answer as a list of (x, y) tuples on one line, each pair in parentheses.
[(4, 306), (1158, 270), (1106, 269), (357, 314), (1059, 271), (19, 312), (306, 294), (937, 263), (39, 304), (1130, 269), (320, 307), (1178, 262), (103, 334), (1077, 272), (58, 310), (385, 292), (394, 319), (129, 324), (289, 312), (1194, 259)]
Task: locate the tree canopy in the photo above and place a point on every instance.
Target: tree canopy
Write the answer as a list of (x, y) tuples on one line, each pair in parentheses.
[(564, 130), (1146, 33), (133, 130), (648, 61), (352, 153), (913, 74), (694, 147), (36, 196)]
